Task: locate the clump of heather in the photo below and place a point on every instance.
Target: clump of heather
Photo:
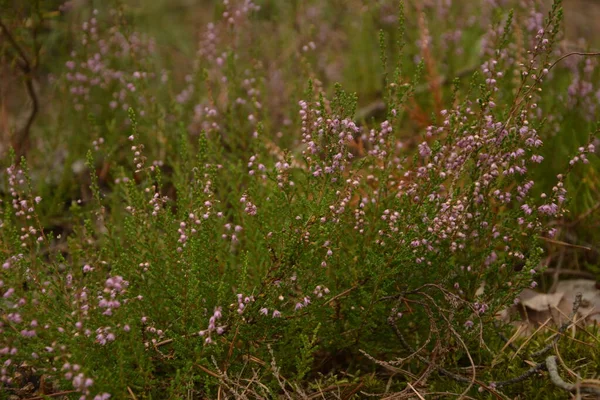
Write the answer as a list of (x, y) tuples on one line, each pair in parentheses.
[(107, 62), (252, 226)]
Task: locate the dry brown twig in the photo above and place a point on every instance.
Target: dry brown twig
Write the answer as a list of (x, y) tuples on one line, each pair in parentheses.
[(459, 338), (439, 369), (133, 396), (557, 380), (535, 367), (21, 142)]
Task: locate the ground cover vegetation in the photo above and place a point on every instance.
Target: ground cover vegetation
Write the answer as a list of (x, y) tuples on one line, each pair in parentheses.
[(294, 199)]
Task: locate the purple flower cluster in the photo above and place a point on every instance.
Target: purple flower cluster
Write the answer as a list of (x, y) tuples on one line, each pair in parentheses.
[(99, 66), (326, 136), (113, 287), (212, 325)]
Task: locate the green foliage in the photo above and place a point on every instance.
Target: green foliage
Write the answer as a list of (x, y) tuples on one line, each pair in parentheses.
[(232, 221)]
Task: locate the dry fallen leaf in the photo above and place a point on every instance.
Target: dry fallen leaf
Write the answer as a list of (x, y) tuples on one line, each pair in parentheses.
[(540, 301), (536, 308), (590, 302)]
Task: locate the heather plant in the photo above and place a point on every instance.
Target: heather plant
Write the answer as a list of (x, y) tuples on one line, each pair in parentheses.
[(244, 227)]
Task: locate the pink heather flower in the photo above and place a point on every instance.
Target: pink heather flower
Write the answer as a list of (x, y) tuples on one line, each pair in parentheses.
[(14, 318), (549, 209), (217, 314), (526, 209), (78, 381), (537, 158), (276, 314), (28, 333), (424, 149)]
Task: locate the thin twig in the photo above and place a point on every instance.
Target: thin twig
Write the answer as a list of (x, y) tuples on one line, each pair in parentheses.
[(524, 376), (560, 242), (407, 346), (327, 389), (345, 292), (133, 396), (583, 216), (508, 342), (27, 68), (208, 371), (415, 390), (459, 338), (15, 45), (440, 370), (571, 237), (558, 381), (574, 53), (354, 391), (564, 365), (53, 395)]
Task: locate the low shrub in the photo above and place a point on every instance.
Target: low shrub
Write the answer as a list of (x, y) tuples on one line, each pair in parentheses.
[(239, 232)]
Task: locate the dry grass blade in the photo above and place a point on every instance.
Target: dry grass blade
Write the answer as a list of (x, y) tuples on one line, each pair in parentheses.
[(569, 370), (133, 396), (531, 337), (416, 391), (65, 393), (560, 242), (510, 341), (208, 371)]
